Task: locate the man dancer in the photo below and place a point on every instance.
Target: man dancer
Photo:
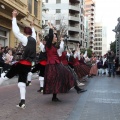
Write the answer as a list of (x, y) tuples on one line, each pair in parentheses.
[(23, 66), (40, 66)]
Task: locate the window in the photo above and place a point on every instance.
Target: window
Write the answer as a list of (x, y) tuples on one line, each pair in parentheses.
[(81, 34), (30, 6), (81, 26), (46, 1), (46, 22), (58, 10), (3, 33), (35, 7), (58, 1), (57, 22)]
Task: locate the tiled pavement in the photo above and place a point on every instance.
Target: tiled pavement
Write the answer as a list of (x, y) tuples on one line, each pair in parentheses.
[(100, 102)]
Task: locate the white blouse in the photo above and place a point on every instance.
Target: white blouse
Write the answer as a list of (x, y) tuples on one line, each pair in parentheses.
[(59, 51)]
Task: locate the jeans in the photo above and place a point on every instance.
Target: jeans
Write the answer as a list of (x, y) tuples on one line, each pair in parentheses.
[(111, 68)]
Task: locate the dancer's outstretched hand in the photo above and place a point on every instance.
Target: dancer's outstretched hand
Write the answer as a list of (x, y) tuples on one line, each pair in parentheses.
[(14, 13)]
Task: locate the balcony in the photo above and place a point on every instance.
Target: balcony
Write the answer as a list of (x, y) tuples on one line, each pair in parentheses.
[(74, 7), (9, 5), (74, 39), (91, 46), (73, 18), (91, 42), (76, 29), (74, 1)]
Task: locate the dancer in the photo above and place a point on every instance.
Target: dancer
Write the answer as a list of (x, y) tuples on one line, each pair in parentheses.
[(57, 78), (23, 66), (77, 65), (64, 61), (40, 66), (85, 67), (93, 70)]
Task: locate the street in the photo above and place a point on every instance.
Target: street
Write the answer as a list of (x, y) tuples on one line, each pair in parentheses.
[(100, 102)]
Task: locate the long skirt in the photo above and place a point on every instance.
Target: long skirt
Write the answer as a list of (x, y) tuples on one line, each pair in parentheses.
[(81, 70), (75, 76), (57, 79), (85, 68), (93, 70)]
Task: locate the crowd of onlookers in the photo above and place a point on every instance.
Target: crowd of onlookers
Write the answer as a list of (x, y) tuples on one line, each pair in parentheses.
[(108, 64), (8, 56)]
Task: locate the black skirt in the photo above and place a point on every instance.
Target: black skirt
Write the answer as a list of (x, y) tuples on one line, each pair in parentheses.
[(57, 79)]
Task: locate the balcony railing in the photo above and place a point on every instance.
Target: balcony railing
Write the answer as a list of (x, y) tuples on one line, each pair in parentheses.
[(74, 38), (74, 18), (76, 29)]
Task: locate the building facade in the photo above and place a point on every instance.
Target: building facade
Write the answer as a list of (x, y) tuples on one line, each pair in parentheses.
[(117, 38), (29, 10), (90, 14), (100, 42), (67, 16)]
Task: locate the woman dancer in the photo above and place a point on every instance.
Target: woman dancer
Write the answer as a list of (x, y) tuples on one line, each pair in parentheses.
[(57, 78), (93, 70), (64, 61)]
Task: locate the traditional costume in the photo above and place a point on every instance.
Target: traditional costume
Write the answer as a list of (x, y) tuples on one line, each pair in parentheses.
[(57, 78), (22, 67)]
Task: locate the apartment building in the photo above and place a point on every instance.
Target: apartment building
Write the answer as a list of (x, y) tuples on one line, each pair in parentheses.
[(90, 14), (29, 10), (117, 38), (100, 41), (67, 14)]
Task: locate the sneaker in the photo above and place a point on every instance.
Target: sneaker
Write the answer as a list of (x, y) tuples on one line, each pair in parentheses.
[(21, 106), (40, 90), (81, 84), (29, 83)]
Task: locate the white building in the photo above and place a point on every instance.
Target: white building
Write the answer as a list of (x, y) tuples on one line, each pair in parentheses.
[(68, 14), (100, 42), (90, 15)]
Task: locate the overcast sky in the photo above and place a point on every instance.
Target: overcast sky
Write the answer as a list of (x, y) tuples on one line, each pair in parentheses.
[(107, 11)]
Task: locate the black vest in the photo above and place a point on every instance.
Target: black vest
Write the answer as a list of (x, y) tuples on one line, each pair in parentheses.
[(42, 56), (30, 50)]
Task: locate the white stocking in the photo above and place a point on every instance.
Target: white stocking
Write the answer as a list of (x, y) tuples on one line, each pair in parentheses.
[(41, 81), (29, 77), (22, 87)]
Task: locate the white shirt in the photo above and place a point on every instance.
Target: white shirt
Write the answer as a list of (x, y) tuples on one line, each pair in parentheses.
[(59, 51), (22, 38), (77, 55), (104, 60)]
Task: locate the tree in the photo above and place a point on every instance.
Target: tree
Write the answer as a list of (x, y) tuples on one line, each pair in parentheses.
[(89, 52), (113, 46)]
